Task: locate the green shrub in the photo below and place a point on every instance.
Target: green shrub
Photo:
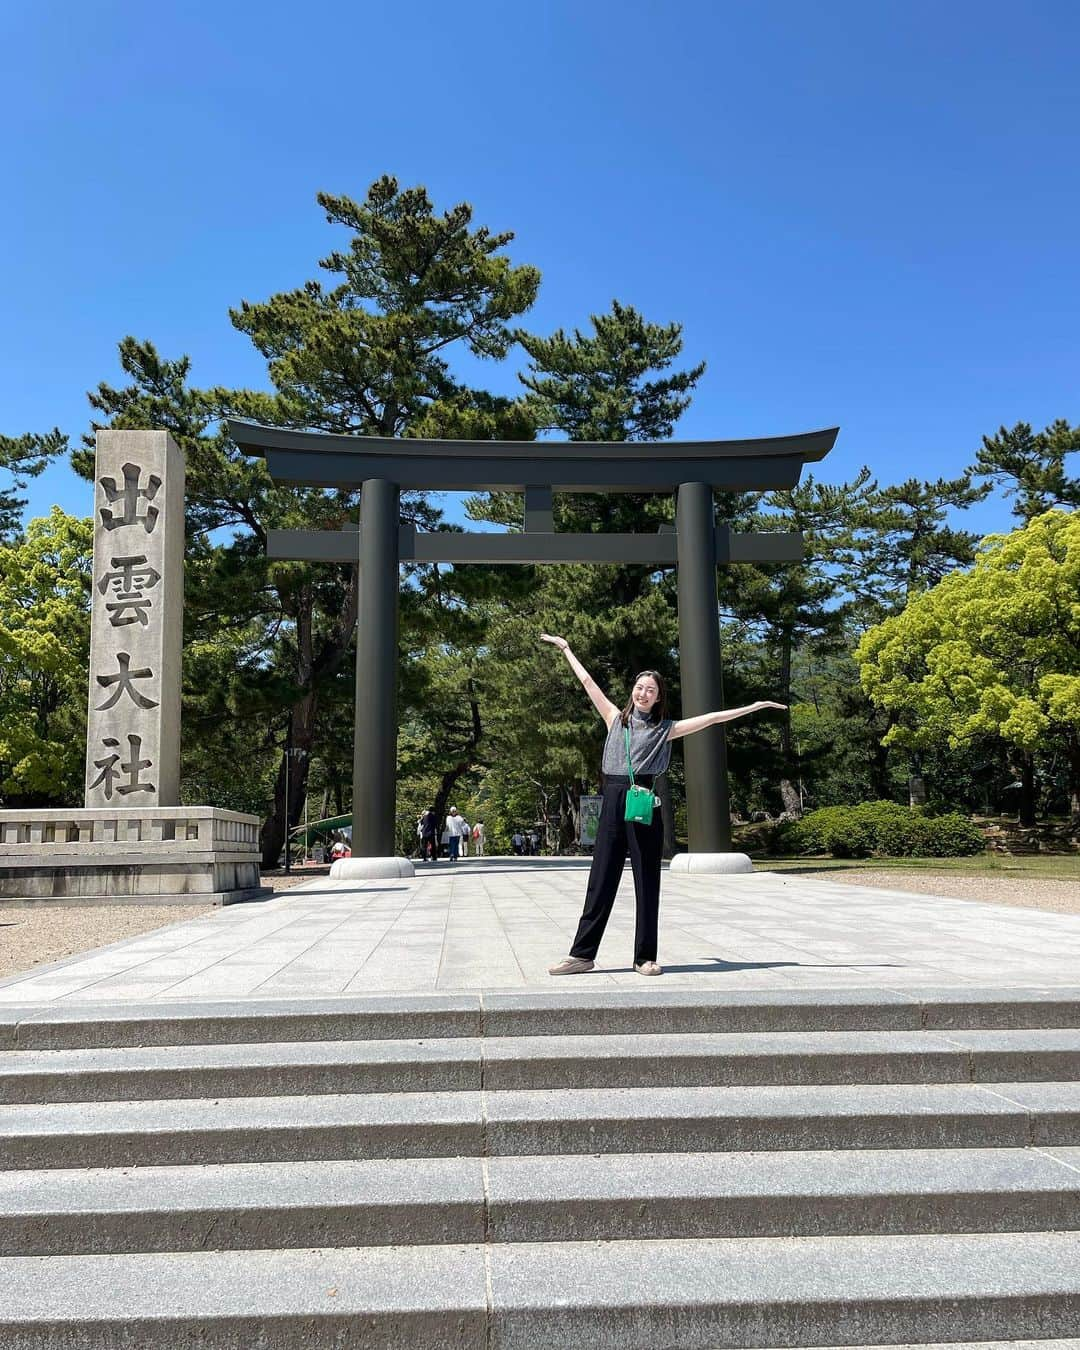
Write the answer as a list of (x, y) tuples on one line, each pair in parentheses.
[(954, 836), (883, 830)]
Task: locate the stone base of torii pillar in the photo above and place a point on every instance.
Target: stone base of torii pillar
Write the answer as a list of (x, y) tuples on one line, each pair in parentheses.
[(717, 863), (370, 869)]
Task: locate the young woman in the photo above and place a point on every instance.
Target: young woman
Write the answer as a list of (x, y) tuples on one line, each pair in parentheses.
[(651, 734)]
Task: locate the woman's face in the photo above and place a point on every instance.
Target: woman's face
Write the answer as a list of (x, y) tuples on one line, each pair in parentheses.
[(645, 693)]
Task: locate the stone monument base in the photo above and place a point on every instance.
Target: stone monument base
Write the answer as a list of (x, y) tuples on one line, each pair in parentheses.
[(155, 856), (717, 863)]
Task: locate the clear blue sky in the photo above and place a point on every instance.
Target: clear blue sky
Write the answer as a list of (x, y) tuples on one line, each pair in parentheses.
[(863, 212)]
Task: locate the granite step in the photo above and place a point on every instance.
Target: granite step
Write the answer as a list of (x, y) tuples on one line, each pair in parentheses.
[(240, 1070), (1067, 1343), (241, 1129), (538, 1122), (555, 1012), (737, 1059), (433, 1201), (745, 1059), (707, 1294)]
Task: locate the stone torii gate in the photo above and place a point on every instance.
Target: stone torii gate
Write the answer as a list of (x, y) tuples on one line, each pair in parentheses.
[(382, 466)]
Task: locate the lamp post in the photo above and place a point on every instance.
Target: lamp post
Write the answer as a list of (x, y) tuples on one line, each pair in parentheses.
[(290, 750)]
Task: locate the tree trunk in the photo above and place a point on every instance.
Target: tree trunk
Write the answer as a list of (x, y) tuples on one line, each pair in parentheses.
[(1026, 811), (1072, 750), (310, 669), (442, 803), (569, 814), (469, 759), (789, 772), (301, 735)]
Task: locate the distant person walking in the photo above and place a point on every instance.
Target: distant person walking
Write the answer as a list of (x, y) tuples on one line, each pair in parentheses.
[(478, 838), (452, 834), (638, 742), (429, 836)]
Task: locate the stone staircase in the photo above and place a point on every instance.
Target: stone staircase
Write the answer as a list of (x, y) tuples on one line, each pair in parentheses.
[(633, 1169)]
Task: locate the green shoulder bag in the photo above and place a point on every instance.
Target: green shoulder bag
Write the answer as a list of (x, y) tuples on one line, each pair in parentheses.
[(639, 800)]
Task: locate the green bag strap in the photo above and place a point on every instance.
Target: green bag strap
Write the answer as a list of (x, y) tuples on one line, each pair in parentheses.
[(629, 766)]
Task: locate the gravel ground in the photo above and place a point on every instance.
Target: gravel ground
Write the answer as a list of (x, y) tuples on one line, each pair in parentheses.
[(31, 935), (1057, 894)]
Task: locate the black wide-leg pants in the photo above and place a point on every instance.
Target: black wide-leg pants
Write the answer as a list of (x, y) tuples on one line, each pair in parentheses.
[(614, 839)]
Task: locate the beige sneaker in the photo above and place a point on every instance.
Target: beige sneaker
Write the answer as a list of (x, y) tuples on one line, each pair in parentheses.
[(573, 965), (649, 968)]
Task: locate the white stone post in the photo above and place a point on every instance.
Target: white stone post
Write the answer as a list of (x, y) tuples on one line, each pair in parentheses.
[(133, 727)]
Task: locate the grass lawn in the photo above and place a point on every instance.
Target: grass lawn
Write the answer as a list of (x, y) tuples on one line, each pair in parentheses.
[(1064, 867)]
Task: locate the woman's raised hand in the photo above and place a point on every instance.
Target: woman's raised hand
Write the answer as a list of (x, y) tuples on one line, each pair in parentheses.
[(559, 642), (780, 707)]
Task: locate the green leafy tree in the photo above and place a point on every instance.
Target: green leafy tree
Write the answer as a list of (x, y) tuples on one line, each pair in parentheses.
[(24, 457), (1031, 466), (993, 653), (44, 653)]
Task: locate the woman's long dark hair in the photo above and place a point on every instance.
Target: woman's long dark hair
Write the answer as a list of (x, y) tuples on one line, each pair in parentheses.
[(659, 708)]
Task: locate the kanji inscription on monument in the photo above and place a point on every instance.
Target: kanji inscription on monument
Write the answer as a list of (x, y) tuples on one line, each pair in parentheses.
[(133, 728)]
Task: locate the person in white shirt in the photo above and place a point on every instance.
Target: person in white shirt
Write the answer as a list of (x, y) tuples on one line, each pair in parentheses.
[(478, 838), (452, 835)]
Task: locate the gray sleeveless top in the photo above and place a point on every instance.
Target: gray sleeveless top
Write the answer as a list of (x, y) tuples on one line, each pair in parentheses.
[(650, 749)]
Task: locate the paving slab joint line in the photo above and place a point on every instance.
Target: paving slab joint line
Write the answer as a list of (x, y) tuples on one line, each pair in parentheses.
[(1029, 1112), (1046, 1153), (489, 1294), (969, 1056)]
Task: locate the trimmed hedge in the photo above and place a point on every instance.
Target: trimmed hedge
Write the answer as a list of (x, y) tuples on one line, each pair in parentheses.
[(881, 829)]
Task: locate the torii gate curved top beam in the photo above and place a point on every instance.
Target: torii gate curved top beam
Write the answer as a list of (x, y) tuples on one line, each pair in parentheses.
[(318, 459)]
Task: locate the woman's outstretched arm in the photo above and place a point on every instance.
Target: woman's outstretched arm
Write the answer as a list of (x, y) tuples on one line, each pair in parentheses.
[(689, 725), (601, 702)]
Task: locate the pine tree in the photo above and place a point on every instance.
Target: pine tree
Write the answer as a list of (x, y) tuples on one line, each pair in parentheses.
[(24, 457), (1031, 466)]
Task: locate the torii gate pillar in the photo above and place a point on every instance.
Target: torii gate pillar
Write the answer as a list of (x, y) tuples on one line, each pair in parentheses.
[(704, 754), (375, 727)]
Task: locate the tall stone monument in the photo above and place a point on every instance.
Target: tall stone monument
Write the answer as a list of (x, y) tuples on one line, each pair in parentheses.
[(133, 717), (133, 841)]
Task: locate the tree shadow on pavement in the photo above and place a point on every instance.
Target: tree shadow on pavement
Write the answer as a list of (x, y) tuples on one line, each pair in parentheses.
[(719, 966)]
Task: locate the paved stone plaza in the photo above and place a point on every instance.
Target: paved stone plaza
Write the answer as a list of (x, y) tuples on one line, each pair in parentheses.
[(498, 923)]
